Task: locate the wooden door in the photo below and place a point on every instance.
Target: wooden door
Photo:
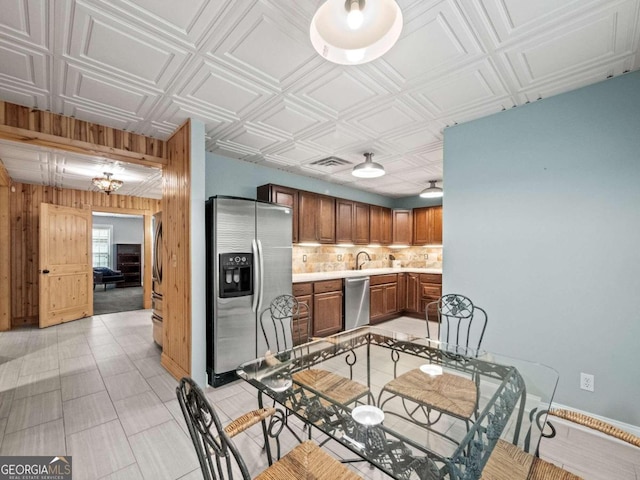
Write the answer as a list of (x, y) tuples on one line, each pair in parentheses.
[(376, 303), (390, 298), (413, 286), (387, 227), (66, 275)]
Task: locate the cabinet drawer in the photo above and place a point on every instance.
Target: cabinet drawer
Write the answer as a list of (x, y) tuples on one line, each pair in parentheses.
[(431, 278), (431, 292), (156, 303), (302, 289), (328, 286), (382, 279)]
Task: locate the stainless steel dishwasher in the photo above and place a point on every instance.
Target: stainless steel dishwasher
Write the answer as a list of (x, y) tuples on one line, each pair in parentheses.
[(356, 302)]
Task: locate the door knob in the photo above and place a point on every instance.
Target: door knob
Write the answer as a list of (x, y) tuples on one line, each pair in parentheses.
[(45, 271)]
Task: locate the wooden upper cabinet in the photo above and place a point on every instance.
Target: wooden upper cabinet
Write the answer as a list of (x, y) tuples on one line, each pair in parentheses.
[(421, 226), (316, 218), (436, 225), (344, 221), (283, 196), (402, 227), (352, 222), (361, 223), (380, 225), (427, 226)]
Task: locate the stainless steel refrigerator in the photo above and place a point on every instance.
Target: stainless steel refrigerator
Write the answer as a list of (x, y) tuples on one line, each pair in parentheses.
[(248, 265)]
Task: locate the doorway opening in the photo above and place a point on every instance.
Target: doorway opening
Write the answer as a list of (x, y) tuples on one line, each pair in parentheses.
[(118, 262)]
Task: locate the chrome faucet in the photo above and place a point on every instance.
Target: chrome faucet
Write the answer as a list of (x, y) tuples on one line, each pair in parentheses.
[(359, 265)]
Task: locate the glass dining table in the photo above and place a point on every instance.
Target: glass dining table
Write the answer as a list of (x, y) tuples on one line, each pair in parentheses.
[(428, 410)]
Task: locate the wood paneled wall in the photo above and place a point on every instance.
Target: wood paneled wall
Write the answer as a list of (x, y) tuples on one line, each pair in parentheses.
[(52, 130), (24, 225), (176, 281), (5, 259)]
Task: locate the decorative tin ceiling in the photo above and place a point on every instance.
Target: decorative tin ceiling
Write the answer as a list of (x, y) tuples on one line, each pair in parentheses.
[(246, 68)]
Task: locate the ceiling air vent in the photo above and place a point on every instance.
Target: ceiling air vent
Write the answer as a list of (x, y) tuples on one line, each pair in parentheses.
[(331, 162)]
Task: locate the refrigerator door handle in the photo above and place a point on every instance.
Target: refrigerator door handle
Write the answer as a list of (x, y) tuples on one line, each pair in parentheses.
[(256, 275), (261, 275)]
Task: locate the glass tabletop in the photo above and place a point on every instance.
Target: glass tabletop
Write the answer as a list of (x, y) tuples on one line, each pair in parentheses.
[(412, 407)]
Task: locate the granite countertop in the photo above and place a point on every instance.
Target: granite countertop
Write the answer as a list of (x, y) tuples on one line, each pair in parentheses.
[(316, 276)]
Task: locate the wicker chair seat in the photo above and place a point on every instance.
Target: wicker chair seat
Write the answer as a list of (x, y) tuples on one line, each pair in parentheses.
[(340, 389), (509, 462), (449, 393), (307, 461)]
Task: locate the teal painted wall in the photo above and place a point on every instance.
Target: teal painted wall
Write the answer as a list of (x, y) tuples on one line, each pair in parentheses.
[(227, 176), (542, 229)]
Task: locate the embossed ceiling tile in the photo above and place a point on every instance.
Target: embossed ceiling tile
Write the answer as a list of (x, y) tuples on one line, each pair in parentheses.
[(338, 90), (437, 39), (471, 87), (95, 115), (591, 40), (571, 82), (108, 43), (252, 138), (26, 20), (290, 118), (265, 44), (171, 113), (107, 93), (23, 65), (496, 105), (506, 20), (188, 23), (294, 154), (336, 139), (223, 91), (23, 96), (415, 138), (382, 119)]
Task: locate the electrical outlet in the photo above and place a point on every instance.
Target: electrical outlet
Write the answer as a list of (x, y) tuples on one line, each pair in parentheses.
[(426, 256), (339, 258), (304, 258), (587, 382)]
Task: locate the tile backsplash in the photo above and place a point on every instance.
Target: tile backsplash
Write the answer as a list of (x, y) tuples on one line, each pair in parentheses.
[(331, 258)]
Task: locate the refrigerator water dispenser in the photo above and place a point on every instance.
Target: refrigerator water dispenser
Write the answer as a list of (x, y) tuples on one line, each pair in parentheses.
[(236, 274)]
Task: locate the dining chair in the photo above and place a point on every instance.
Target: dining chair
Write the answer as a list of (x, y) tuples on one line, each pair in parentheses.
[(220, 459), (281, 326), (425, 398)]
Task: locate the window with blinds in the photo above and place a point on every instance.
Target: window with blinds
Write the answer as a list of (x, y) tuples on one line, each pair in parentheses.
[(102, 245)]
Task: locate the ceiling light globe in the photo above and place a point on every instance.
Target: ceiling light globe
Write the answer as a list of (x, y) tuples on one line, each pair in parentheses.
[(355, 17), (368, 168), (332, 36), (431, 191)]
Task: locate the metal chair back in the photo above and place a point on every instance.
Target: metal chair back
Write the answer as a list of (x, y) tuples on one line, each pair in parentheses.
[(218, 456), (460, 322), (281, 323)]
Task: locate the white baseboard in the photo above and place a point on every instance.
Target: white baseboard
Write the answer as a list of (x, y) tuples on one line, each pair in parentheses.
[(627, 427)]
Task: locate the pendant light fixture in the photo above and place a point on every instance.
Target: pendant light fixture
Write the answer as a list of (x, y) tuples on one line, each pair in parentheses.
[(431, 191), (106, 184), (368, 168), (353, 32)]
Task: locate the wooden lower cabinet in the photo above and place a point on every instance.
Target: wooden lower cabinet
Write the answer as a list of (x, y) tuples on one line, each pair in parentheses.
[(324, 300), (304, 294), (412, 292), (430, 291), (383, 297), (327, 313)]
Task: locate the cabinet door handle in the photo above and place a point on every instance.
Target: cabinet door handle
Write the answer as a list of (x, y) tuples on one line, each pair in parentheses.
[(45, 271)]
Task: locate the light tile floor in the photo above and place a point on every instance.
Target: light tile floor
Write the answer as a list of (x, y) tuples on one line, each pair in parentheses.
[(94, 389)]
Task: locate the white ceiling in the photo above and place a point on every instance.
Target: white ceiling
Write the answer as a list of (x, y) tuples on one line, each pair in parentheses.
[(247, 69)]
